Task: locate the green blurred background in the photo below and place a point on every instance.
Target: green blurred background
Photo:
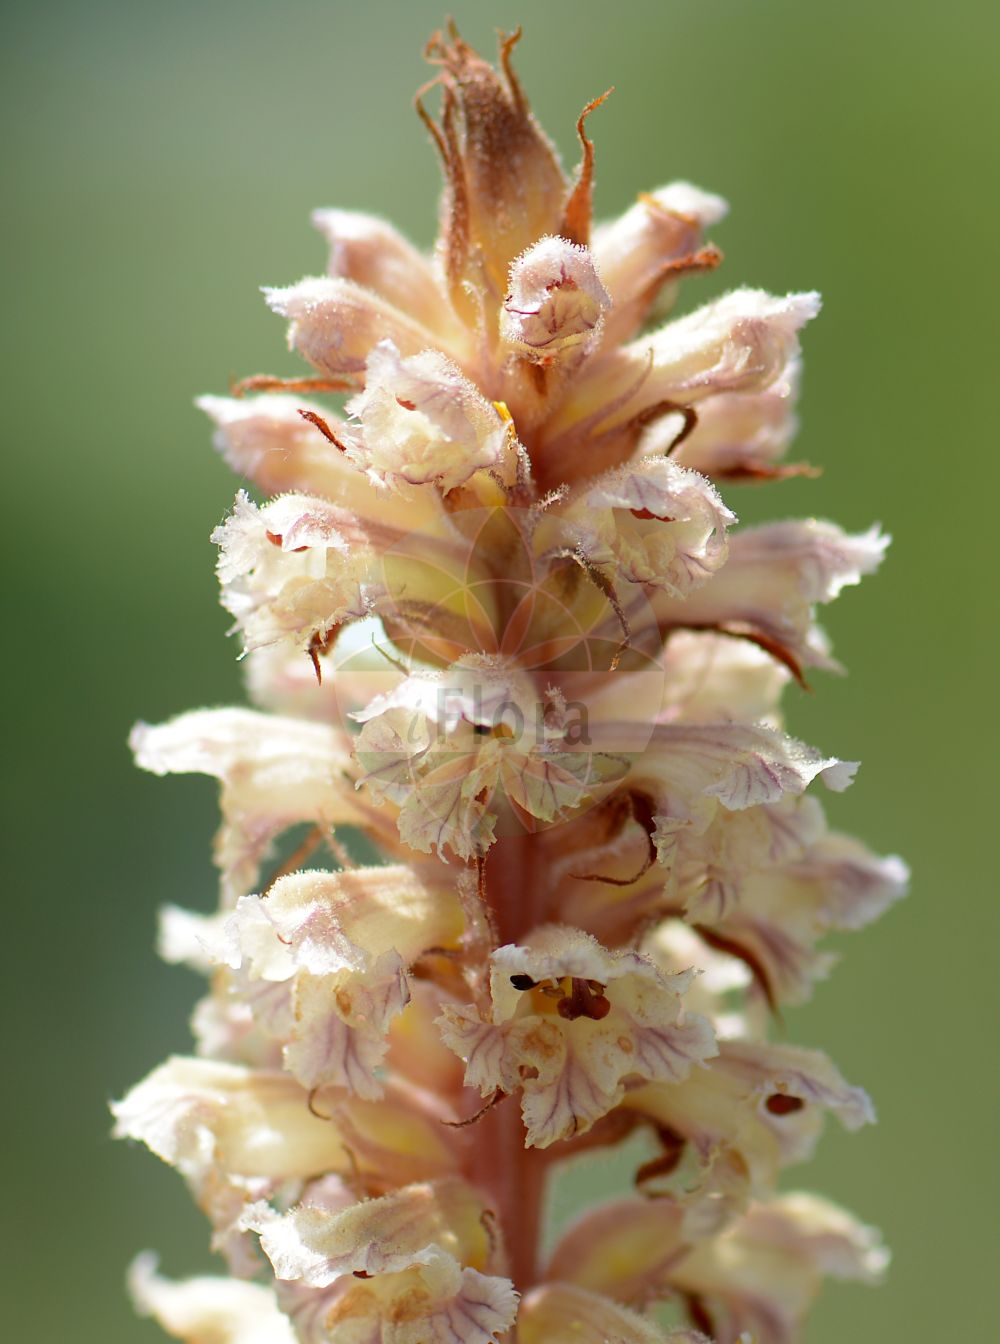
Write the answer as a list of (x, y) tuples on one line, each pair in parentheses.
[(162, 159)]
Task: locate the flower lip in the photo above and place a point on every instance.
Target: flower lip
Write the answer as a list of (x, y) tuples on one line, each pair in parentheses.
[(591, 1022)]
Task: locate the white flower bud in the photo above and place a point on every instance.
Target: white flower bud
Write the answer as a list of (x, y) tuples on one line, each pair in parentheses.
[(555, 302)]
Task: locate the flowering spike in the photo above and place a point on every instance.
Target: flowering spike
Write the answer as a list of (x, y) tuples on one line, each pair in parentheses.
[(503, 629)]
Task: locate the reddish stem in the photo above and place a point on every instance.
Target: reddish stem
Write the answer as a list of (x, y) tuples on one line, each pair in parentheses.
[(517, 886), (513, 1176)]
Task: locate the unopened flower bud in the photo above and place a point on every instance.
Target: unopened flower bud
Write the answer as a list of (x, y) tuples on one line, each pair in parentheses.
[(555, 302)]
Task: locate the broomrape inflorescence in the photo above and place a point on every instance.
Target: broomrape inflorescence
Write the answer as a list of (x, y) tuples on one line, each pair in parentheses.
[(497, 624)]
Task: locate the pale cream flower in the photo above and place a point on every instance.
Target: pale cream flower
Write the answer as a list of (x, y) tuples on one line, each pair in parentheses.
[(376, 256), (739, 435), (240, 1135), (268, 440), (421, 420), (560, 1313), (743, 342), (208, 1310), (642, 254), (760, 1275), (274, 773)]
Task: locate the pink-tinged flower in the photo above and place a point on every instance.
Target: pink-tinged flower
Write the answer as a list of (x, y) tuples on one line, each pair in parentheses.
[(268, 440), (374, 255), (334, 324), (739, 436), (651, 522), (774, 579), (741, 343), (292, 571), (519, 677), (407, 1267), (774, 915), (728, 1133), (450, 748), (334, 950), (569, 1024), (555, 303)]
